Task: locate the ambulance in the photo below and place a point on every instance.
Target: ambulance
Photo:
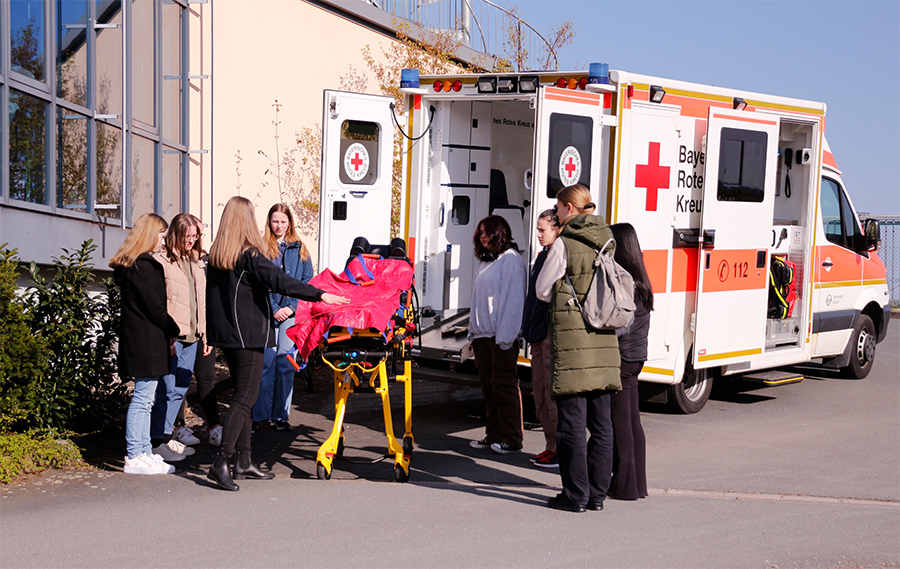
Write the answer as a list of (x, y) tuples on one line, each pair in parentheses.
[(717, 182)]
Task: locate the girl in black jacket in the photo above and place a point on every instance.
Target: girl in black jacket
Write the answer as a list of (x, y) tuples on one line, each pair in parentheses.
[(146, 332), (629, 480), (238, 316)]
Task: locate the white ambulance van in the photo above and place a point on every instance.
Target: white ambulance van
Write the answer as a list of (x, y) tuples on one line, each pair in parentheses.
[(717, 182)]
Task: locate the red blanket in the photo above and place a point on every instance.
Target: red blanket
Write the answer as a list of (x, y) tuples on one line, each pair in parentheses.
[(373, 287)]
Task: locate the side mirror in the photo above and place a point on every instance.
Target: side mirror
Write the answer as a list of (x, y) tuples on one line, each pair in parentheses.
[(873, 235)]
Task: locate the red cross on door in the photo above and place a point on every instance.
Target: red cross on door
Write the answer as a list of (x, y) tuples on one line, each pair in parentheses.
[(652, 176), (570, 167), (356, 161)]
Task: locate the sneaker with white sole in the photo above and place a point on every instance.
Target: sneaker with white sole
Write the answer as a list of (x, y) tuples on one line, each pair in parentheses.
[(185, 436), (139, 465), (169, 451), (215, 436), (162, 467), (503, 448), (483, 443)]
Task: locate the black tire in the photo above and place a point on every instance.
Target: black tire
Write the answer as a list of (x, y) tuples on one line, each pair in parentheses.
[(692, 393), (340, 447), (400, 475), (862, 349), (407, 445), (321, 473)]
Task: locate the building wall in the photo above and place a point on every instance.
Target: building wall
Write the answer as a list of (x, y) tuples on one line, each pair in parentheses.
[(253, 60)]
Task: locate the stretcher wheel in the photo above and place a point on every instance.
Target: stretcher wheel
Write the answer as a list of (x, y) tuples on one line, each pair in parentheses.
[(407, 445), (400, 475), (321, 472), (340, 447)]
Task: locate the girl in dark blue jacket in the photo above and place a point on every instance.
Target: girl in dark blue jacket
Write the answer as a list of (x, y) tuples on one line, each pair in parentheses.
[(286, 250)]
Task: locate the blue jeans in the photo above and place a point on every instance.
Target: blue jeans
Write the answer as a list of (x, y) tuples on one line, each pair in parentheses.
[(170, 391), (137, 420), (276, 390)]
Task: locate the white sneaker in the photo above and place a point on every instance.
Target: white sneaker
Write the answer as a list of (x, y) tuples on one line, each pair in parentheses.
[(169, 451), (185, 436), (161, 467), (215, 436), (138, 465)]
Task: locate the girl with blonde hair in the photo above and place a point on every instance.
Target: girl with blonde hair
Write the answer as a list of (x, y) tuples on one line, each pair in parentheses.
[(286, 250), (239, 279), (584, 361), (146, 332)]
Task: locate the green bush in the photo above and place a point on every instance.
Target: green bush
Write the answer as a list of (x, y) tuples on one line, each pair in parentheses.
[(34, 451), (69, 381)]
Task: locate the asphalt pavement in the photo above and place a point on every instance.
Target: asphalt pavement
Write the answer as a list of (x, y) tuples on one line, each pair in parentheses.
[(803, 475)]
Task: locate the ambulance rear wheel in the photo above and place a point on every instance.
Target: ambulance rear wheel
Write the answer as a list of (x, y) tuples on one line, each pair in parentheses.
[(862, 350), (321, 472), (692, 393)]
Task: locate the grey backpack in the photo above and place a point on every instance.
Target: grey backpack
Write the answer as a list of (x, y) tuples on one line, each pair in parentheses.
[(609, 302)]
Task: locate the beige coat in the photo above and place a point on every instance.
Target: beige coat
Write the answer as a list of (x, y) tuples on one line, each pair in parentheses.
[(178, 300)]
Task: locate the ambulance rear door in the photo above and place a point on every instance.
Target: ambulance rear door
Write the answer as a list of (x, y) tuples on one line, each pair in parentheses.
[(736, 232), (355, 192), (568, 145)]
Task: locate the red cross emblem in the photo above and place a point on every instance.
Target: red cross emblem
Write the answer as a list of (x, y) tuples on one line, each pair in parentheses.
[(356, 161), (570, 167), (652, 176)]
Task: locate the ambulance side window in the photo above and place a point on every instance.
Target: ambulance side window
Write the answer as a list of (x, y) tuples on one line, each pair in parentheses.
[(742, 166), (569, 156), (359, 153), (838, 220), (459, 215)]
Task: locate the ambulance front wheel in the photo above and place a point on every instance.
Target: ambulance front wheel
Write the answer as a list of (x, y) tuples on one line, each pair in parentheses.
[(692, 393), (862, 349)]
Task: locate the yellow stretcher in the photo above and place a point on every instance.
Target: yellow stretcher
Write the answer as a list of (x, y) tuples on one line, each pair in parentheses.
[(360, 359)]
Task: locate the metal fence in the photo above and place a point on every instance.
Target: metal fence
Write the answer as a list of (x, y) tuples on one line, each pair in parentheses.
[(890, 252), (480, 25)]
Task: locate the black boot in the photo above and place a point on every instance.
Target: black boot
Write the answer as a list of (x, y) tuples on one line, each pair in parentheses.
[(220, 472), (244, 468)]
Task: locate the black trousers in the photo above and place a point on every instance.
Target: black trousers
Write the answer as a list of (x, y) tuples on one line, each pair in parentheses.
[(205, 374), (629, 481), (584, 465), (246, 366)]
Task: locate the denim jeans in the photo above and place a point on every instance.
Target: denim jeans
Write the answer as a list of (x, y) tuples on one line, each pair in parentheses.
[(170, 391), (137, 420), (276, 389)]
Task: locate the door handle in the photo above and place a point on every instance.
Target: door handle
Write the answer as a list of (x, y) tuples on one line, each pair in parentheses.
[(442, 215), (827, 263), (709, 238)]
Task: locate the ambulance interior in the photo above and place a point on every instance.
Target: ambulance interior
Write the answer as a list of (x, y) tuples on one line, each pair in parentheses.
[(481, 160), (795, 178)]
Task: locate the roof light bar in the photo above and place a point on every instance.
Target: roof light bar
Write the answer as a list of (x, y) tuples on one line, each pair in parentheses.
[(487, 84)]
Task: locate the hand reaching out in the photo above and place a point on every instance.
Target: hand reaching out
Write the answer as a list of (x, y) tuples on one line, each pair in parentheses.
[(329, 298)]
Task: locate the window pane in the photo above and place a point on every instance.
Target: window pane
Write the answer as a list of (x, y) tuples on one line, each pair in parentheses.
[(109, 171), (27, 148), (71, 161), (26, 23), (459, 215), (109, 58), (831, 212), (569, 158), (143, 75), (359, 152), (742, 165), (171, 184), (71, 60), (171, 71), (143, 176)]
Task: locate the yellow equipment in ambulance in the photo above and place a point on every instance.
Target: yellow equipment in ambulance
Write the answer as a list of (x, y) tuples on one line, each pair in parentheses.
[(717, 182)]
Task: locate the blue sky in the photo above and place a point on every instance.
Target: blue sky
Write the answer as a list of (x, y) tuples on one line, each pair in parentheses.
[(844, 53)]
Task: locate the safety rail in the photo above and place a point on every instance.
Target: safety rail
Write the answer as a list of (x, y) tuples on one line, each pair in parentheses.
[(480, 25)]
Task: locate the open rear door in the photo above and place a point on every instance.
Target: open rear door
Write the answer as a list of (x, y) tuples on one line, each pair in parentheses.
[(357, 155), (568, 144), (738, 201)]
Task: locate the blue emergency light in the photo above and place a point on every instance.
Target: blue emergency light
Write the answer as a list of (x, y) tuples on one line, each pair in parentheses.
[(409, 78), (598, 74)]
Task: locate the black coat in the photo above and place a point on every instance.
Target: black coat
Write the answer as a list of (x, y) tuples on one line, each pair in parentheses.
[(633, 343), (146, 325), (534, 320), (238, 313)]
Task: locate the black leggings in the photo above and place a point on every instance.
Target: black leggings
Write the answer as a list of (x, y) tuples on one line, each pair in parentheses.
[(246, 366), (205, 374)]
